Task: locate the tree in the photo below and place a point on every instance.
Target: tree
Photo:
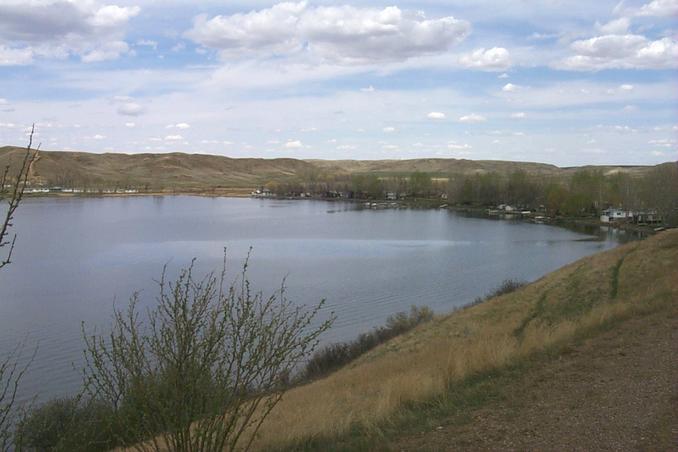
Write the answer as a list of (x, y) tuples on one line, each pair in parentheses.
[(420, 184), (205, 369), (12, 186)]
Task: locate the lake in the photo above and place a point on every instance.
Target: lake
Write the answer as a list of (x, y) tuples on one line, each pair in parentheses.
[(76, 257)]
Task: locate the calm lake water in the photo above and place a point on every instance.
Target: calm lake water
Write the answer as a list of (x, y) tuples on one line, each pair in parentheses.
[(75, 257)]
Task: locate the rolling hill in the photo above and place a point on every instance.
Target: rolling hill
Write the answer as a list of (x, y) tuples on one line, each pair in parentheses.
[(199, 172)]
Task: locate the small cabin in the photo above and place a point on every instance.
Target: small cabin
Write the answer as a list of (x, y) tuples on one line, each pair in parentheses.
[(612, 214)]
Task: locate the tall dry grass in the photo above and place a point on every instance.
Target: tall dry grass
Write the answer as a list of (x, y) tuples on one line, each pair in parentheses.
[(423, 363)]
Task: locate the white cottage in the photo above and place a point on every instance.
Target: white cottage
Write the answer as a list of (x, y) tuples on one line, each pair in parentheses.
[(613, 214)]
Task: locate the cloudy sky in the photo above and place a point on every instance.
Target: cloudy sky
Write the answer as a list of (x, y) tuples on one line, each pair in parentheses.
[(564, 82)]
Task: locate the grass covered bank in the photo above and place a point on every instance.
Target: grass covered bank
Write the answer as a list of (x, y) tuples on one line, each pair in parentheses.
[(442, 362)]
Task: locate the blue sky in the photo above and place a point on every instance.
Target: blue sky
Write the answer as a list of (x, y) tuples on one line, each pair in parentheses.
[(563, 82)]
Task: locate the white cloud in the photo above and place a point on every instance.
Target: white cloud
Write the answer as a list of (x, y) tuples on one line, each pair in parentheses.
[(7, 125), (346, 147), (112, 16), (15, 57), (494, 59), (182, 126), (61, 28), (174, 138), (472, 118), (666, 8), (341, 34), (503, 75), (130, 109), (148, 43), (390, 147), (666, 143), (622, 52), (130, 125), (98, 137), (436, 115), (369, 89), (626, 87), (509, 88), (389, 129), (518, 115), (614, 27), (293, 144), (107, 51), (457, 146)]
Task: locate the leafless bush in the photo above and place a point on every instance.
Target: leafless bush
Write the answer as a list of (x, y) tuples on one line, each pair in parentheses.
[(206, 366), (12, 186)]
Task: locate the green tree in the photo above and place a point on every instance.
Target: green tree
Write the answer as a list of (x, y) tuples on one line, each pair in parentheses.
[(421, 184)]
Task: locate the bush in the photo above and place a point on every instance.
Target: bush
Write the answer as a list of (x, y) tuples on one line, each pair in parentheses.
[(507, 286), (334, 356), (205, 369), (65, 425)]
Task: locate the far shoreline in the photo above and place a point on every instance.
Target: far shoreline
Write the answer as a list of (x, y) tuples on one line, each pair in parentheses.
[(570, 223)]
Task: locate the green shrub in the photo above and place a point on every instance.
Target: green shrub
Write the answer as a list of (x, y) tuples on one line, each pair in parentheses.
[(507, 286), (66, 425), (334, 356)]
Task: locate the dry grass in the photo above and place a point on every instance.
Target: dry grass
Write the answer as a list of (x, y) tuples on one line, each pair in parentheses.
[(421, 364)]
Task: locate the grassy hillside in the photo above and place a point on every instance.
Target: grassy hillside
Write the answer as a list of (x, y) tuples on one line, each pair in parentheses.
[(155, 171), (197, 172), (431, 362)]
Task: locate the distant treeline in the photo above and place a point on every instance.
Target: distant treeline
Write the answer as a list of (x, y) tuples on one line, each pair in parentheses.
[(585, 192)]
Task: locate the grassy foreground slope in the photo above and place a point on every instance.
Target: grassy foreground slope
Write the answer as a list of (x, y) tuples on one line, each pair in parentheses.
[(435, 362)]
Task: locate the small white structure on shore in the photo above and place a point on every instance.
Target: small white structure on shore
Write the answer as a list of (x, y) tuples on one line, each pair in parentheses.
[(614, 214)]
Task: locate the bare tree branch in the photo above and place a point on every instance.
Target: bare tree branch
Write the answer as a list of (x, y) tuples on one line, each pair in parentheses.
[(12, 187)]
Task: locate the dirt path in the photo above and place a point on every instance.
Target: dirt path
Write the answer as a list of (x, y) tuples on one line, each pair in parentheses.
[(615, 391)]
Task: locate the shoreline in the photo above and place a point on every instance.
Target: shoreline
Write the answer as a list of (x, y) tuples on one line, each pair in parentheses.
[(416, 203)]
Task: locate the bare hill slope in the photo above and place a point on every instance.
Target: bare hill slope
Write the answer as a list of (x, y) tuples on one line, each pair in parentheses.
[(194, 172)]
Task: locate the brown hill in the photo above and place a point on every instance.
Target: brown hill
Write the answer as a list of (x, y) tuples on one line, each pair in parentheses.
[(194, 172)]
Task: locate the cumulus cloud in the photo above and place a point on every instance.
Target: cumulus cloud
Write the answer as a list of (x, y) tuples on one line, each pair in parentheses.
[(518, 115), (472, 118), (107, 51), (130, 109), (494, 59), (293, 144), (389, 129), (174, 138), (509, 88), (340, 34), (666, 8), (457, 146), (617, 26), (436, 115), (181, 126), (60, 28), (622, 52), (15, 57), (130, 125)]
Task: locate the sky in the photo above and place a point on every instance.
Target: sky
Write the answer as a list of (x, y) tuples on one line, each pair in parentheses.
[(554, 81)]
